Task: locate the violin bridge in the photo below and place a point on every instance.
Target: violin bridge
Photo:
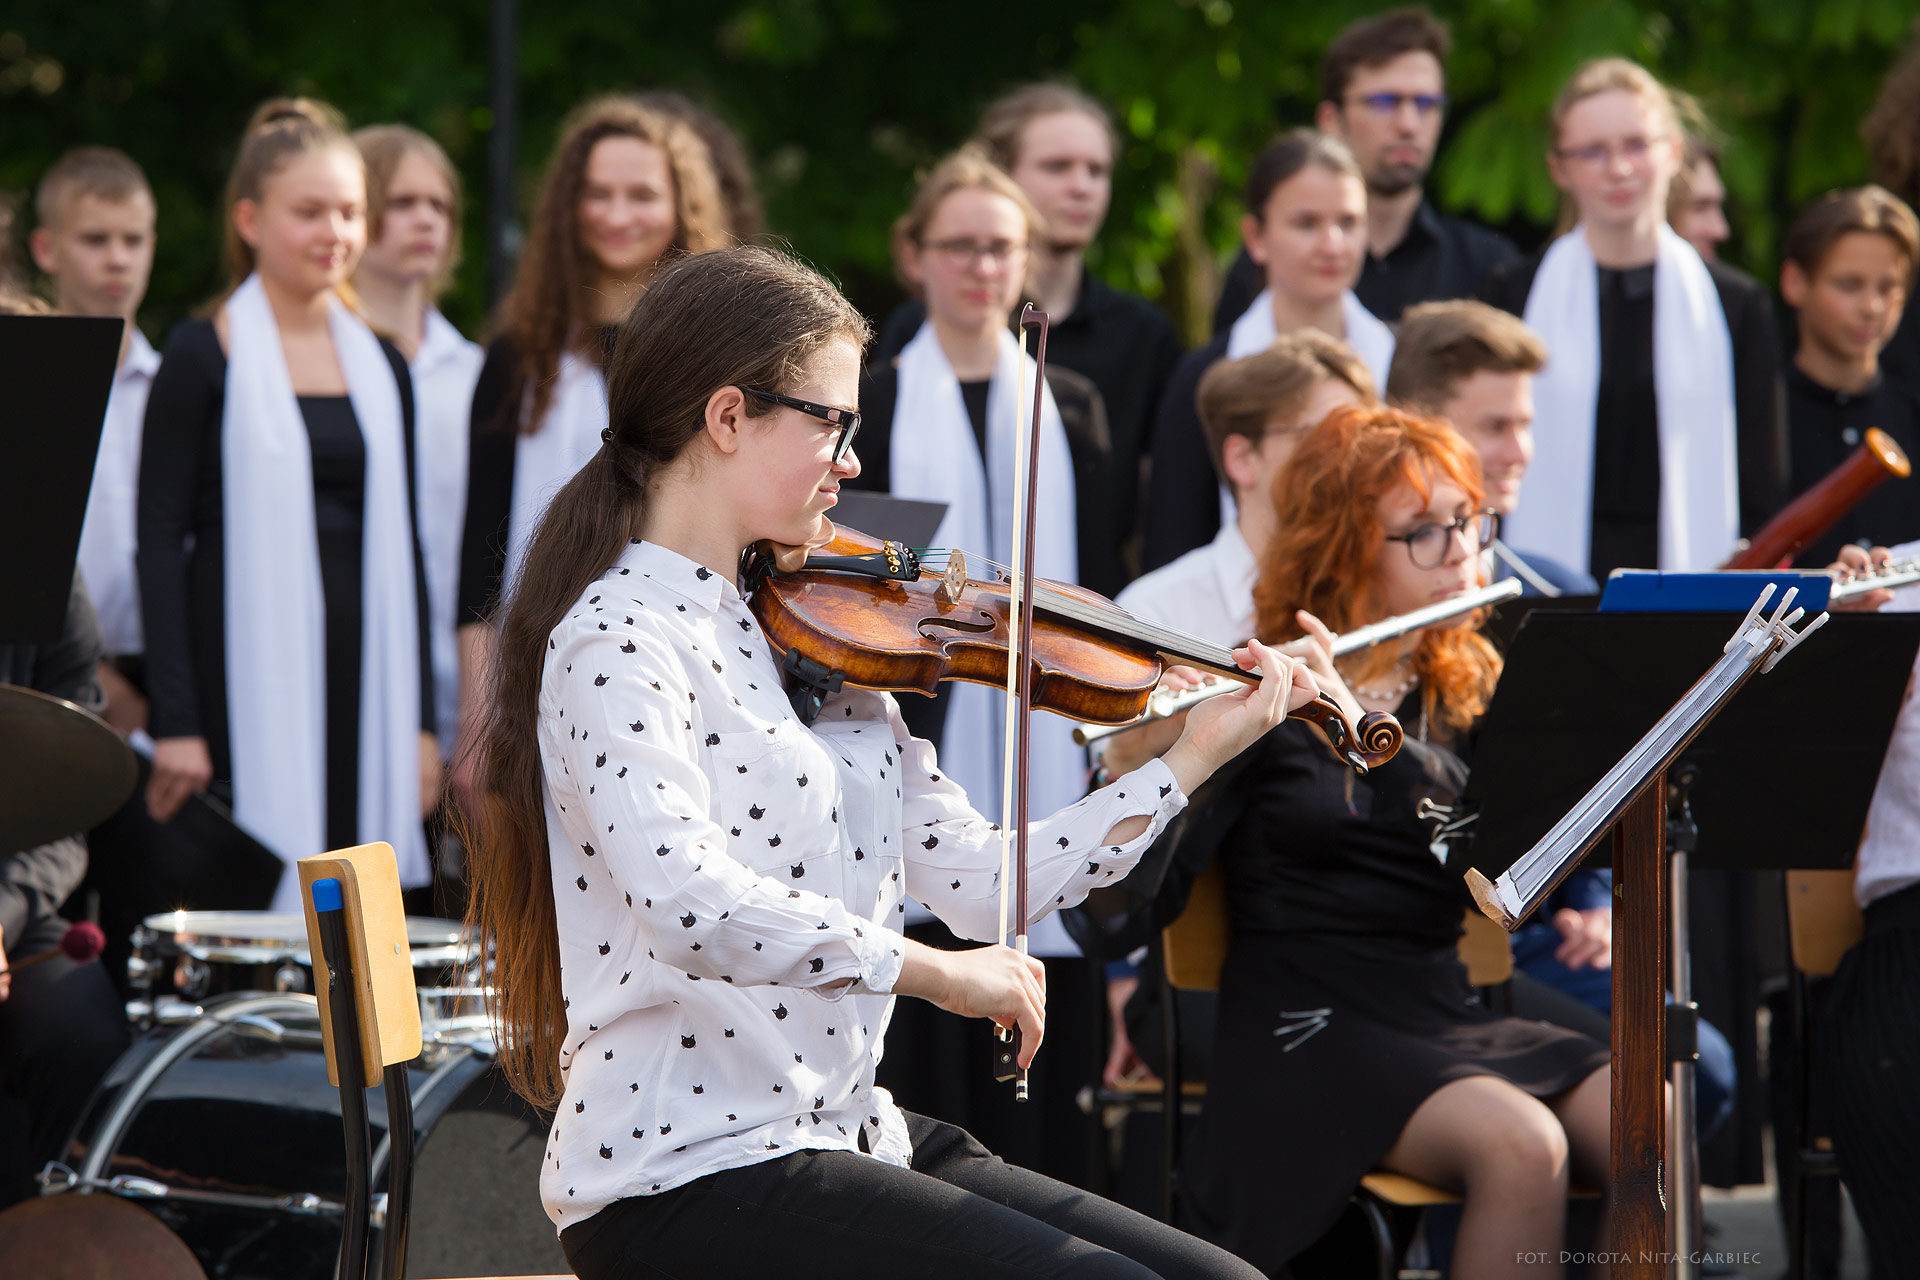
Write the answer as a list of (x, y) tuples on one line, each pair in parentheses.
[(953, 581)]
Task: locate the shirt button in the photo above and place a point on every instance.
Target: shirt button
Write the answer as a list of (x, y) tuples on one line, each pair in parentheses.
[(1851, 435)]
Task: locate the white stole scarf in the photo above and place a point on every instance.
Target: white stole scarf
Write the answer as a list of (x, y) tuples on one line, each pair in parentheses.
[(444, 372), (935, 456), (1693, 389), (276, 610), (1367, 334), (546, 458)]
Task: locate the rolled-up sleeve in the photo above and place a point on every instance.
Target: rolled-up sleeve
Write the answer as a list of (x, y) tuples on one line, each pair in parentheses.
[(953, 853)]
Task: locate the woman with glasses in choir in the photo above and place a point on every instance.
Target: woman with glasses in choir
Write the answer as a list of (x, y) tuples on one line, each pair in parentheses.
[(1347, 1036), (1656, 455), (939, 425), (627, 189)]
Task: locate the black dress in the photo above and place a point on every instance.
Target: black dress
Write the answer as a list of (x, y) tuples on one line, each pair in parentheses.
[(1343, 1002), (1626, 420), (493, 432), (182, 563)]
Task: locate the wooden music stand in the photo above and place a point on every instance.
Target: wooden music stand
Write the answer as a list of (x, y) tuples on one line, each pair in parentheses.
[(1624, 658)]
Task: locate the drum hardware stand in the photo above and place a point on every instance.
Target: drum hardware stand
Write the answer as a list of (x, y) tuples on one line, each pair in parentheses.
[(57, 1178)]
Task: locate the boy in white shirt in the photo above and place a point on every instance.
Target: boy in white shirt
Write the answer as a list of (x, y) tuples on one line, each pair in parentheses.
[(95, 242)]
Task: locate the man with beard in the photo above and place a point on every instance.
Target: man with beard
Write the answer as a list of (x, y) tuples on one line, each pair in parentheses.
[(1383, 92)]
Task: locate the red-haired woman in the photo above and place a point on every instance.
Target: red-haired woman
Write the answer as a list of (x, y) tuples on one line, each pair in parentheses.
[(1348, 1036)]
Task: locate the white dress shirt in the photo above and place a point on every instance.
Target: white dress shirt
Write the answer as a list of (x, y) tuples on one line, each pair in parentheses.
[(728, 886), (107, 534), (1207, 593), (444, 372), (1889, 857)]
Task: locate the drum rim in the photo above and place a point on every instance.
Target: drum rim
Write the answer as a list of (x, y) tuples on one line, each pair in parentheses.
[(212, 1021), (236, 937)]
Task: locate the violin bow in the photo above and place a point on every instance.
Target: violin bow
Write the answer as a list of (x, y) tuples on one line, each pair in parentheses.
[(1017, 747)]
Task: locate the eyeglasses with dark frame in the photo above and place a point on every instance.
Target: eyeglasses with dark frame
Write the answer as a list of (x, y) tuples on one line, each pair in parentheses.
[(848, 420), (1385, 104), (1427, 546)]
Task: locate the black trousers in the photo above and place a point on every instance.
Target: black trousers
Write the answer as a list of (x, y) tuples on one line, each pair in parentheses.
[(1867, 1069), (60, 1030), (960, 1211)]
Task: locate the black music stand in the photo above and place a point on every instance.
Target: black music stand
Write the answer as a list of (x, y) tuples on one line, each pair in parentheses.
[(58, 372), (1782, 777)]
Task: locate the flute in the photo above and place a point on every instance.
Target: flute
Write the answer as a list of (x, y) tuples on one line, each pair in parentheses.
[(1895, 573), (1165, 703)]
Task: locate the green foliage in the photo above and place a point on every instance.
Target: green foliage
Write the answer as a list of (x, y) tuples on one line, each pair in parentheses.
[(841, 101)]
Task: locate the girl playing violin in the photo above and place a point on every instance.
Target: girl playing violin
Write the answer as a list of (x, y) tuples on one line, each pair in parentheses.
[(1347, 1035), (694, 898)]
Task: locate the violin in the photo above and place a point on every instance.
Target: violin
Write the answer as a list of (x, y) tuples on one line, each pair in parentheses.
[(873, 614)]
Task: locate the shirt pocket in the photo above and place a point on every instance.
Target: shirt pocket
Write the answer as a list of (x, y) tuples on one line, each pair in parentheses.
[(777, 796)]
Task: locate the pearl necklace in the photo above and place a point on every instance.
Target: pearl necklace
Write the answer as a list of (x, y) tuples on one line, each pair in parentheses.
[(1389, 696)]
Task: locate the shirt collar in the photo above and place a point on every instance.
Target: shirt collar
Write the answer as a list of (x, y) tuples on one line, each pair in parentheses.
[(1234, 569), (439, 340), (1426, 224), (692, 582), (1799, 381), (142, 360)]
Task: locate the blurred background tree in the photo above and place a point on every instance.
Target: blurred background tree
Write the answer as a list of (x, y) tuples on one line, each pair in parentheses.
[(841, 101)]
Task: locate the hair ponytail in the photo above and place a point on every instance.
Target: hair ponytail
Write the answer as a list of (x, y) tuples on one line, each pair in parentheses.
[(746, 317)]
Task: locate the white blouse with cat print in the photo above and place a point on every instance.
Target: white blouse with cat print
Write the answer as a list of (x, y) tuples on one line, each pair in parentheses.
[(729, 886)]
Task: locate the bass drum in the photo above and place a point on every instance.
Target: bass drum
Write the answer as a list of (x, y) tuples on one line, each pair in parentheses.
[(225, 1128)]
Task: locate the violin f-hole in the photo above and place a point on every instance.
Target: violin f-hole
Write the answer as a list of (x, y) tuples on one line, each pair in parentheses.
[(981, 623)]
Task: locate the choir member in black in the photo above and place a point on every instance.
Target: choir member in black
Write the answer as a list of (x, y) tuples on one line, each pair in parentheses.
[(1849, 266), (1348, 1037), (1629, 416), (939, 424), (1892, 134), (1697, 200), (702, 1005), (280, 580), (413, 245), (627, 186), (1305, 223), (1383, 92), (95, 242), (1059, 145)]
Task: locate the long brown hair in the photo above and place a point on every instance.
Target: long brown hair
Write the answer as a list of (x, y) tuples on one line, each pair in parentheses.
[(1326, 501), (279, 130), (744, 317), (545, 313)]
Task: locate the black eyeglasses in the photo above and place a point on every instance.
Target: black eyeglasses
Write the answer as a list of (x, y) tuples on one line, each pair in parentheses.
[(846, 419), (1428, 545), (1385, 104)]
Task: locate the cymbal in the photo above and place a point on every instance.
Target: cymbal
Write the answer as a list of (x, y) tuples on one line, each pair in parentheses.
[(62, 770)]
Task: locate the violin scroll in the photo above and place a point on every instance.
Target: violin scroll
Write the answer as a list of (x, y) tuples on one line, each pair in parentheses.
[(1368, 746)]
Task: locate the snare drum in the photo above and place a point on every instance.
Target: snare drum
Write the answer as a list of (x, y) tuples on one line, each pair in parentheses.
[(226, 1129), (182, 958)]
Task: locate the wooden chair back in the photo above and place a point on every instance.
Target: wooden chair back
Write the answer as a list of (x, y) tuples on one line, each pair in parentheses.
[(388, 1002), (1822, 921), (1194, 946)]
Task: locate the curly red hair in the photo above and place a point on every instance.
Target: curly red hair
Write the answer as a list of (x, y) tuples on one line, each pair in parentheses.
[(1327, 503)]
